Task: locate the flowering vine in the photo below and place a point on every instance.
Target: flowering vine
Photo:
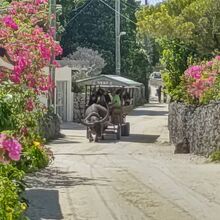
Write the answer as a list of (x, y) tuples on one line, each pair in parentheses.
[(203, 79), (25, 37), (10, 148)]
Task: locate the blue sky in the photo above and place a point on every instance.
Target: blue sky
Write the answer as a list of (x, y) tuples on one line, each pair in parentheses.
[(152, 1)]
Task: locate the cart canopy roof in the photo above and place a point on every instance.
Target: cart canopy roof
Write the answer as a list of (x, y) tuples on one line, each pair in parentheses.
[(109, 81)]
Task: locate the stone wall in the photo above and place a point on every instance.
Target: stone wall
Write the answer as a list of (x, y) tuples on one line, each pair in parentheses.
[(49, 126), (78, 106), (194, 129)]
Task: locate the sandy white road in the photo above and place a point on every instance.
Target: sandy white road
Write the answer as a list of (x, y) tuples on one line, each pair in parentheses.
[(137, 178)]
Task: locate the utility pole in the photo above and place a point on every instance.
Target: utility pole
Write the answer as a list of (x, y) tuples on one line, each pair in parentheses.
[(117, 38), (52, 29)]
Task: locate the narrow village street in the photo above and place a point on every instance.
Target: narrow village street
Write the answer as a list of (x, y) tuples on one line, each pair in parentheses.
[(136, 178)]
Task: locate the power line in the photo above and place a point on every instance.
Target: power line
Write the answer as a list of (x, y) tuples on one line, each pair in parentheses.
[(117, 11), (130, 5), (89, 3), (83, 8)]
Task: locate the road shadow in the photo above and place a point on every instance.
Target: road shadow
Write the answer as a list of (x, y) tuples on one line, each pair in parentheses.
[(64, 141), (72, 126), (141, 112), (132, 138), (54, 178), (140, 138), (154, 106), (82, 155), (43, 191), (43, 204)]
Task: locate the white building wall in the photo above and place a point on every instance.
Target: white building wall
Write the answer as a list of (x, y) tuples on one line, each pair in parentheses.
[(65, 74), (62, 74), (42, 98)]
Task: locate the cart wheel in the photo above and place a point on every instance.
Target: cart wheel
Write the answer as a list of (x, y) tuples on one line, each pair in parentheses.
[(125, 129), (118, 134)]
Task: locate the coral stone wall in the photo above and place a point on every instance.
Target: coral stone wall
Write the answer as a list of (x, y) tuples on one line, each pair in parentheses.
[(50, 126), (195, 129)]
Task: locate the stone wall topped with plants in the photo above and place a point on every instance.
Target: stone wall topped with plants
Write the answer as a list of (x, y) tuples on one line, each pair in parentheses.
[(194, 123), (195, 129)]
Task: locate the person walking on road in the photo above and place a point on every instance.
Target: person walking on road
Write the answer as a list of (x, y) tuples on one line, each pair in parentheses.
[(164, 95), (159, 90)]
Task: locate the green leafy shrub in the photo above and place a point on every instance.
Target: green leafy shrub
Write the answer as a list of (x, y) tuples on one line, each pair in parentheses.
[(175, 58), (12, 205), (215, 156), (35, 157)]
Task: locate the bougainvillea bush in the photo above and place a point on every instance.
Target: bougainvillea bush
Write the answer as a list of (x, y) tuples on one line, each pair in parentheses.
[(202, 82), (28, 44)]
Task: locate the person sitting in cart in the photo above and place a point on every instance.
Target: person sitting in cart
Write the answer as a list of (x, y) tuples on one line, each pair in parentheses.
[(108, 97), (126, 98), (93, 98), (115, 107), (101, 100), (116, 100)]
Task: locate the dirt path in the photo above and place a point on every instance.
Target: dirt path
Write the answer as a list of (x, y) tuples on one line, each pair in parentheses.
[(134, 179)]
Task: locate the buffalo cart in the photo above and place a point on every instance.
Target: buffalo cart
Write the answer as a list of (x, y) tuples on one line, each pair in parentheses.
[(117, 124)]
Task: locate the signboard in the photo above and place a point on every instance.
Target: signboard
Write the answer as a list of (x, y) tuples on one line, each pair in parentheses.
[(101, 82)]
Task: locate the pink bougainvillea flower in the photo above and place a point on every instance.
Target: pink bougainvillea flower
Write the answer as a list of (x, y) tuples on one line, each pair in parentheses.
[(217, 57), (38, 2), (2, 138), (2, 76), (29, 105), (52, 32), (11, 146), (55, 63), (30, 47), (8, 21), (194, 72), (210, 63), (15, 78)]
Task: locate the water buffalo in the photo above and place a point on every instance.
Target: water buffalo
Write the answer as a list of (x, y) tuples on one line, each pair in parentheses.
[(96, 118)]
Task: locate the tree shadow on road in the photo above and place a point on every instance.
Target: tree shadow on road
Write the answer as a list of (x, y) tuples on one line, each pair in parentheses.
[(43, 192), (141, 112), (133, 138), (72, 126), (64, 141), (140, 138), (54, 178), (82, 155)]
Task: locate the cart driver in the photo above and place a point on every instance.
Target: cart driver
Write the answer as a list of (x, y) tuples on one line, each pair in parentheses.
[(116, 100)]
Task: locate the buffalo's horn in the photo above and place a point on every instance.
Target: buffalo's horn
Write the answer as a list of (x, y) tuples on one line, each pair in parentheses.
[(92, 114), (89, 124), (105, 118)]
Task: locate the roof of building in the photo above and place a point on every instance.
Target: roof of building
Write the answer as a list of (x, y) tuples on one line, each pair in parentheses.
[(119, 79)]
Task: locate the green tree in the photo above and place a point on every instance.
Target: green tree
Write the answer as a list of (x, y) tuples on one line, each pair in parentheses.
[(94, 27), (91, 27), (186, 30), (194, 22)]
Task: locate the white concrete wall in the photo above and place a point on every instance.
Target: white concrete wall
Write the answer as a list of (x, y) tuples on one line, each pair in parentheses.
[(62, 74), (65, 74), (42, 98)]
